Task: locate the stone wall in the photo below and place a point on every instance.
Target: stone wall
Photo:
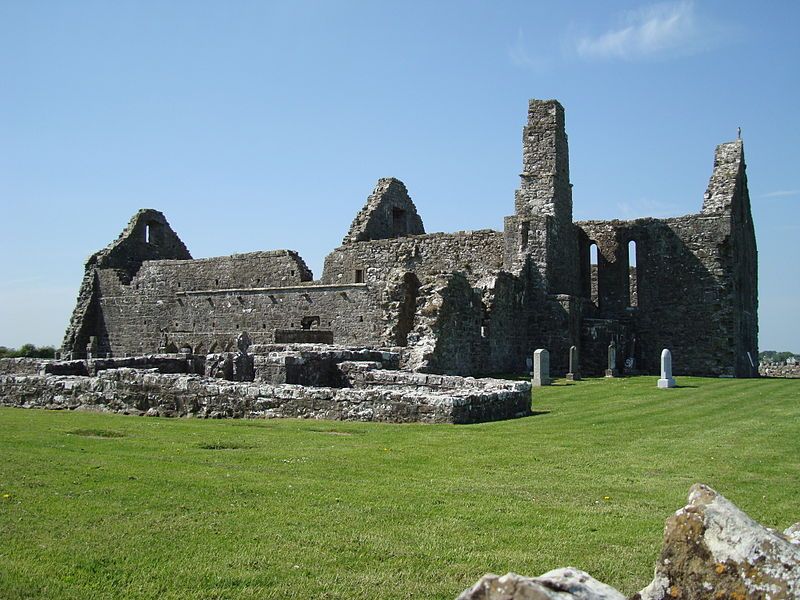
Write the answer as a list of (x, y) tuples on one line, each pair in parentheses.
[(208, 320), (472, 253), (136, 392), (22, 366), (779, 370)]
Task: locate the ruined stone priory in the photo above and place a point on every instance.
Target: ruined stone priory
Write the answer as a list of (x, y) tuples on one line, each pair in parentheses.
[(466, 303)]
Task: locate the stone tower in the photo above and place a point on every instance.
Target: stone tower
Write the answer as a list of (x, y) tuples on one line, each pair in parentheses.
[(541, 229)]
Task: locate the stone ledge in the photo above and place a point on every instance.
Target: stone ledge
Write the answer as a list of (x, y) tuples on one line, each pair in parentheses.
[(147, 392)]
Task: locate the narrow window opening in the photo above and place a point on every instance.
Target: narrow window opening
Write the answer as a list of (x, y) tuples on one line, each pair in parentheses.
[(292, 272), (359, 275), (525, 233), (151, 233), (633, 275), (593, 274), (399, 227)]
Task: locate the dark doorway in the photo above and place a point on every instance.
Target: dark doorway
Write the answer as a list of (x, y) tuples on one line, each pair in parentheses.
[(408, 308)]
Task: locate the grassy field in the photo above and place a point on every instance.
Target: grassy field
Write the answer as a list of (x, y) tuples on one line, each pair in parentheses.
[(108, 506)]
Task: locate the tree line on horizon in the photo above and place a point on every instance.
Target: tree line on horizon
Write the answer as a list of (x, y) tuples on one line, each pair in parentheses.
[(28, 351), (775, 356)]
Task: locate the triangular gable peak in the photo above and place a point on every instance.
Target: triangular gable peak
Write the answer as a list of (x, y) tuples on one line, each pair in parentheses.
[(388, 213)]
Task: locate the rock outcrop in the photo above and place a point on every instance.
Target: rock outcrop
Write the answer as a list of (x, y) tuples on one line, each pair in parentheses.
[(712, 551), (560, 584)]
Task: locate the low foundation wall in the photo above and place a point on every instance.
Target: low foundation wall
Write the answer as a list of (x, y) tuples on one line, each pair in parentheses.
[(131, 391), (163, 363), (778, 370)]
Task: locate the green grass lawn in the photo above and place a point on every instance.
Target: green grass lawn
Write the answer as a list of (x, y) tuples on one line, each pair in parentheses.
[(108, 506)]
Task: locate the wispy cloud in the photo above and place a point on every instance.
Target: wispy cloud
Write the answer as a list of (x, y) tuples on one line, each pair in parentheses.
[(521, 56), (782, 194), (655, 31)]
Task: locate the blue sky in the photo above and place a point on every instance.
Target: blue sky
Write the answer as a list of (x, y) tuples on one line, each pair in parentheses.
[(264, 125)]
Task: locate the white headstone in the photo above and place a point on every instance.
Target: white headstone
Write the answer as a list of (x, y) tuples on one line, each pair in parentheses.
[(541, 368), (666, 380)]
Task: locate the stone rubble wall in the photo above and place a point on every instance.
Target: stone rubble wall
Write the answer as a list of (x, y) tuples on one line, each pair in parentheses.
[(316, 366), (162, 363), (136, 392), (22, 366), (369, 373), (254, 270), (472, 253), (779, 370), (209, 321)]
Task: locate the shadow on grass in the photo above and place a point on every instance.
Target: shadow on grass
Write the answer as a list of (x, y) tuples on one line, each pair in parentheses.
[(96, 433), (336, 432), (253, 423), (224, 446)]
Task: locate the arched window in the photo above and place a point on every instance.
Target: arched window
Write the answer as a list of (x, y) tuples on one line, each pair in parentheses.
[(633, 276)]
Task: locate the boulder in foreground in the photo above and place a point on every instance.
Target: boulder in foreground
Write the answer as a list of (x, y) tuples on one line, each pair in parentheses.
[(714, 550), (560, 584), (711, 551)]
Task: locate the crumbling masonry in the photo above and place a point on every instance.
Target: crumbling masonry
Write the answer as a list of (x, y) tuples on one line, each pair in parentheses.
[(467, 303)]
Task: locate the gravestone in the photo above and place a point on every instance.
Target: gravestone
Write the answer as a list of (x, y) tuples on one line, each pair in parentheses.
[(574, 367), (611, 371), (666, 380), (541, 368)]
